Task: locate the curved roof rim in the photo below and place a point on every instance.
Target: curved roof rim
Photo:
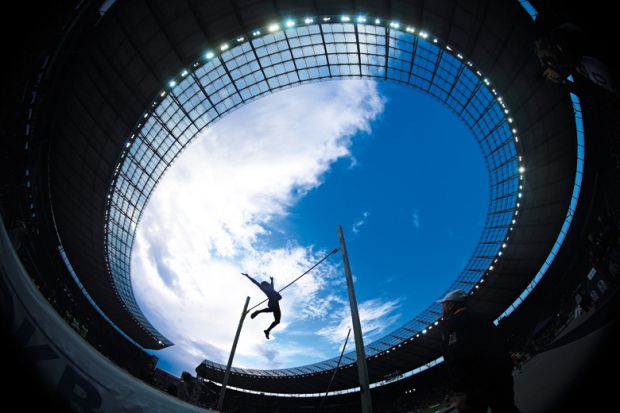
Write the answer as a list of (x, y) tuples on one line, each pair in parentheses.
[(393, 51)]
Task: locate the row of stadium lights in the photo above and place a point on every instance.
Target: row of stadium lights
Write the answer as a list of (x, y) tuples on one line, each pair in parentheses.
[(290, 23), (32, 107), (39, 79)]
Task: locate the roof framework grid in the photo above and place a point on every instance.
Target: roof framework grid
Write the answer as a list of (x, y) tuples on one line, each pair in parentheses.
[(132, 57)]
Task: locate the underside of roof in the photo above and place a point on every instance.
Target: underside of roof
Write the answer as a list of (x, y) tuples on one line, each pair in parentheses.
[(125, 59)]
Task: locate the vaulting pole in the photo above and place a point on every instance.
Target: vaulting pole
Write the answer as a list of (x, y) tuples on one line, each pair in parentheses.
[(296, 279), (220, 403), (362, 369)]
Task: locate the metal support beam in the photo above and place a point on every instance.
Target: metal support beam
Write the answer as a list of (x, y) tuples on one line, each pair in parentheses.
[(362, 369), (220, 403)]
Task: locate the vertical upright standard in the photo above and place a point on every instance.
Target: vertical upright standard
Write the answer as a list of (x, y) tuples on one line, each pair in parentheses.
[(220, 403), (346, 340), (362, 369)]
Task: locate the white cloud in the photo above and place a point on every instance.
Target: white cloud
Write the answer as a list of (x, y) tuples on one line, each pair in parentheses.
[(415, 219), (375, 317), (209, 218), (361, 222)]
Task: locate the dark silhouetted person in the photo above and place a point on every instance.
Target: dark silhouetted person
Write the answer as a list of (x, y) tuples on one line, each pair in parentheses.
[(172, 389), (563, 50), (273, 305), (189, 388), (477, 358)]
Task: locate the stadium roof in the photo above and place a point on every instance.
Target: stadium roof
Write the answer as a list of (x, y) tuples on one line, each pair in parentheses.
[(149, 75)]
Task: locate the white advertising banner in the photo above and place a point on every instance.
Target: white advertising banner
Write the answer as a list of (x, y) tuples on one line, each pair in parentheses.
[(73, 370)]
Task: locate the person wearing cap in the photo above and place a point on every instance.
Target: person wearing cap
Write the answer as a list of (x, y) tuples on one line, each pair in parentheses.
[(477, 358)]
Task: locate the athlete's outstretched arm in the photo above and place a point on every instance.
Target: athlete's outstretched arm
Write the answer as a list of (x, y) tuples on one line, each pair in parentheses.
[(251, 279)]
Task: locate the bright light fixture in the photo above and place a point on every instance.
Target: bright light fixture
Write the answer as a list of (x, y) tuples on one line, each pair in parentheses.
[(172, 83), (210, 55), (290, 23), (308, 20), (273, 27), (522, 169)]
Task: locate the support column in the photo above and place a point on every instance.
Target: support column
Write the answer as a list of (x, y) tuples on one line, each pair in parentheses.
[(220, 403), (362, 369)]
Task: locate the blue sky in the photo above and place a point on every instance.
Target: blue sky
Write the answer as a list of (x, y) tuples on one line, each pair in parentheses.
[(263, 191)]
